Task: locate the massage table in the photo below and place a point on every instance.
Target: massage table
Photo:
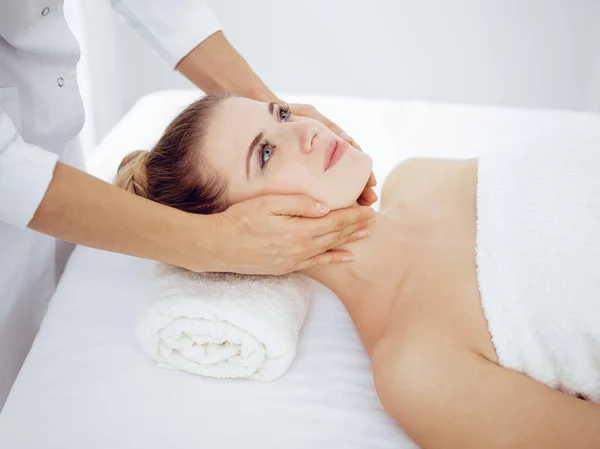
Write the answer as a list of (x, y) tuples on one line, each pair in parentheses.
[(87, 384)]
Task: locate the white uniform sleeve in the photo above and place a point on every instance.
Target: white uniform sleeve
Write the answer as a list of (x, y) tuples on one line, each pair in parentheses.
[(25, 173), (173, 28)]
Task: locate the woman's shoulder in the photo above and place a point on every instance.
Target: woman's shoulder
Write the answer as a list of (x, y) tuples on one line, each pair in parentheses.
[(415, 178), (415, 165), (414, 169)]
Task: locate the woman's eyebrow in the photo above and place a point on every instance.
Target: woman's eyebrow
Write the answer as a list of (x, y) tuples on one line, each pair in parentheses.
[(251, 148), (254, 142)]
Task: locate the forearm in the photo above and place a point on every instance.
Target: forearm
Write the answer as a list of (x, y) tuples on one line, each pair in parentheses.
[(215, 65), (85, 210)]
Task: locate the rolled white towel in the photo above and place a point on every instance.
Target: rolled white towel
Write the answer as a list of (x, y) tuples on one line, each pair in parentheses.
[(224, 325)]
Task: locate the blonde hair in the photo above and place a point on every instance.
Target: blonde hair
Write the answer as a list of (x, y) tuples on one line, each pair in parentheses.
[(132, 174), (174, 173)]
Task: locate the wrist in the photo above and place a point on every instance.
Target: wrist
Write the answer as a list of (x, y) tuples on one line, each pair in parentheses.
[(194, 242)]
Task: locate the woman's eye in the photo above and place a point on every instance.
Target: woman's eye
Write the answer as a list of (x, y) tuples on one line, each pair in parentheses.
[(284, 113), (265, 154)]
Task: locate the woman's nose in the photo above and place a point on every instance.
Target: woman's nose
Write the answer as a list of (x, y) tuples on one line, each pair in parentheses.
[(304, 134)]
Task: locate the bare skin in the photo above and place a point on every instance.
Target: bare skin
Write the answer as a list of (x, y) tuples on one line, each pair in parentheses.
[(412, 293), (411, 290)]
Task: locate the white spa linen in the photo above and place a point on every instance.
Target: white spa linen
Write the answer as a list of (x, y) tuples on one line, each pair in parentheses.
[(224, 325), (538, 257)]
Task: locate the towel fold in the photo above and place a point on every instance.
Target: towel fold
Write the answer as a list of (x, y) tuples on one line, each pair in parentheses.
[(538, 259), (224, 325)]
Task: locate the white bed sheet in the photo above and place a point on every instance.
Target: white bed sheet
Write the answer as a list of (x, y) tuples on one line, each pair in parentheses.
[(87, 384)]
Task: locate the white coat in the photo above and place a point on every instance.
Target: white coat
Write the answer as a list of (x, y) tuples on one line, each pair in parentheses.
[(41, 113)]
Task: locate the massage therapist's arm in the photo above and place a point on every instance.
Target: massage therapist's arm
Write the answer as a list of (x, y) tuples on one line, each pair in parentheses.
[(215, 65), (256, 236)]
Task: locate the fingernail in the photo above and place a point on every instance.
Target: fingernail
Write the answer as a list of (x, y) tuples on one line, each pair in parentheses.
[(371, 213), (347, 259), (323, 208), (362, 234)]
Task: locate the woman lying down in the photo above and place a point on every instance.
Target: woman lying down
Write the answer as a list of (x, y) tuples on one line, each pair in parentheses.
[(477, 294)]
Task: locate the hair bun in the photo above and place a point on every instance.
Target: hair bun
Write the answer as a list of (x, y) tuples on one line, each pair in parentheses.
[(132, 174)]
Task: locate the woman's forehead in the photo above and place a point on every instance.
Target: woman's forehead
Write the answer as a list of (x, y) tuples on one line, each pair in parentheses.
[(239, 107), (235, 124)]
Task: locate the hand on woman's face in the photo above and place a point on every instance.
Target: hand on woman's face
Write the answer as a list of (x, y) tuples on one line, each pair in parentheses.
[(261, 148)]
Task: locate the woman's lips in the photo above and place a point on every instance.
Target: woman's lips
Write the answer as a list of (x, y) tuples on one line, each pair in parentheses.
[(333, 153)]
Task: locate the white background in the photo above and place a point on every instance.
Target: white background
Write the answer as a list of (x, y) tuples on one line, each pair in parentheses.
[(529, 53)]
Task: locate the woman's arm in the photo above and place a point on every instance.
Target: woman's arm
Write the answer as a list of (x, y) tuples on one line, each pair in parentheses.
[(447, 397)]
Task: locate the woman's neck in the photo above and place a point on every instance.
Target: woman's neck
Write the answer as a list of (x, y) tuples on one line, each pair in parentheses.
[(371, 284)]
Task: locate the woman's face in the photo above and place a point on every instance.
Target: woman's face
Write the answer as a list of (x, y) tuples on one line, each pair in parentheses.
[(260, 149)]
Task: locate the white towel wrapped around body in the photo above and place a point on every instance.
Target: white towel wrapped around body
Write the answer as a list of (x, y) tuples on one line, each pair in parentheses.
[(224, 325), (538, 260)]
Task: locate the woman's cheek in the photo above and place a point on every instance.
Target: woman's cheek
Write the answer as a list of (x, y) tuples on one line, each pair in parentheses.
[(331, 193), (292, 182)]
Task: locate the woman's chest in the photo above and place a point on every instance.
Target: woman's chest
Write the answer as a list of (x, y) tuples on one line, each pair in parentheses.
[(442, 295)]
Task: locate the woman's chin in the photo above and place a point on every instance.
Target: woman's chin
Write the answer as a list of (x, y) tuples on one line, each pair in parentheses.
[(347, 202)]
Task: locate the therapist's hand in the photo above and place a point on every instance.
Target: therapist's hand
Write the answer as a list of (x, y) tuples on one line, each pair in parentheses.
[(278, 234), (368, 196)]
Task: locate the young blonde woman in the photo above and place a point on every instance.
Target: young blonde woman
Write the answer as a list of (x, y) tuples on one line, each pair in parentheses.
[(412, 290)]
